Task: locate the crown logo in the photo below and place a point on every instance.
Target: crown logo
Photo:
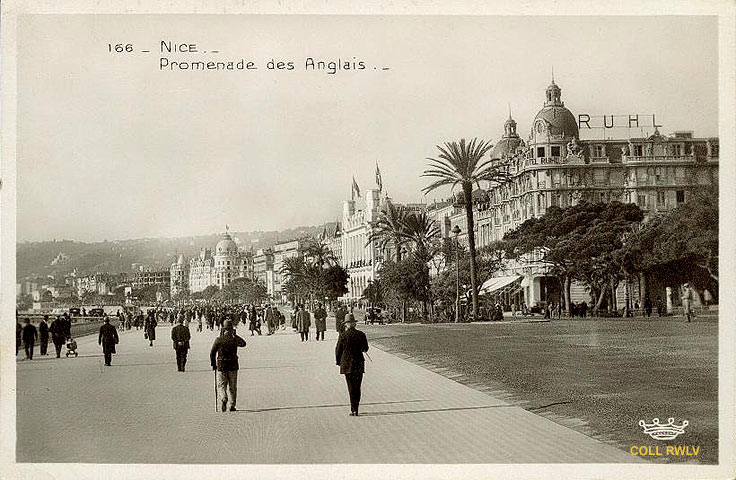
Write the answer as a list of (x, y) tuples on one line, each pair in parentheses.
[(663, 431)]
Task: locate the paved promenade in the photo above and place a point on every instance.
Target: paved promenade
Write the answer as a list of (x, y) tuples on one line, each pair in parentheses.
[(293, 409)]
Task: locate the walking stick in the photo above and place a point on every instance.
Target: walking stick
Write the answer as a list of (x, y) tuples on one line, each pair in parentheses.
[(369, 357), (215, 372)]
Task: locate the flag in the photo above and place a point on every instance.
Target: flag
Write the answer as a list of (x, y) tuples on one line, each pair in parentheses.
[(355, 190), (379, 182)]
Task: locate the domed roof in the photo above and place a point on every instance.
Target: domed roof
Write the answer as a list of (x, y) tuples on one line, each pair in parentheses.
[(559, 120), (505, 147), (226, 246), (509, 142)]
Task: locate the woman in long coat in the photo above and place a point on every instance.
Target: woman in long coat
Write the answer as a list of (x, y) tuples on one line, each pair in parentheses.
[(150, 326)]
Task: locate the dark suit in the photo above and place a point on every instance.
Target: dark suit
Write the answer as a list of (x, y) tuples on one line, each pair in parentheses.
[(180, 336), (108, 338), (349, 355), (43, 332), (30, 334), (57, 335)]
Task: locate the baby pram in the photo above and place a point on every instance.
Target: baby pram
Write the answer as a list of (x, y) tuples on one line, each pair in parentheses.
[(71, 347)]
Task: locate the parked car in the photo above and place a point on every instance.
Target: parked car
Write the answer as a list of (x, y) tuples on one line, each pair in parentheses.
[(75, 311), (96, 312)]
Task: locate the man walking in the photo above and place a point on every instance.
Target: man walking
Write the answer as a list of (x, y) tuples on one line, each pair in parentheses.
[(57, 335), (349, 356), (224, 360), (108, 338), (303, 322), (150, 327), (320, 321), (43, 334), (180, 336), (30, 334)]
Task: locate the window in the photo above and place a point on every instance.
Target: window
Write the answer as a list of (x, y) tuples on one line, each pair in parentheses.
[(660, 198), (680, 194), (638, 151), (714, 149), (540, 152), (676, 150), (598, 151), (555, 151), (641, 200)]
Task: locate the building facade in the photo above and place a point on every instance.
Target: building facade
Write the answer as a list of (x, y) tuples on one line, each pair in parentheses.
[(554, 167), (209, 268), (263, 269), (281, 252)]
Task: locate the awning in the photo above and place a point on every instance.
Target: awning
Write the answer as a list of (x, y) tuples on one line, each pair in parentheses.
[(497, 283)]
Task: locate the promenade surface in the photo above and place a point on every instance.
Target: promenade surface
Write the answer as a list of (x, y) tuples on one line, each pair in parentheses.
[(293, 409)]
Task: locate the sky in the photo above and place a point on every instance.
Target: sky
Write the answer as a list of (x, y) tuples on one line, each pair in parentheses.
[(112, 147)]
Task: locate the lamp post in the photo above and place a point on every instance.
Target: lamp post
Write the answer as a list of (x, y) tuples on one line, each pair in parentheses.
[(456, 231)]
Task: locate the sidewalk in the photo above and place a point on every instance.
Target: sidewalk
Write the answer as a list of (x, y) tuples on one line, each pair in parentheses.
[(293, 408)]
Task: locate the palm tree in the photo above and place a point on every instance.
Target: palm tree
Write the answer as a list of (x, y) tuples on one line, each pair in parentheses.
[(320, 254), (459, 164), (389, 228), (421, 231)]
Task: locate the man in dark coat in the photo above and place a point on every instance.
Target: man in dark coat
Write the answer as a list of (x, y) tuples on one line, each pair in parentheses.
[(180, 336), (320, 320), (224, 360), (57, 334), (108, 339), (150, 327), (349, 356), (303, 322), (30, 334), (43, 334)]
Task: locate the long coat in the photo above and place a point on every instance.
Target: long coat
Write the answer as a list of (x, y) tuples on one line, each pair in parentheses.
[(150, 326), (181, 334), (108, 338), (303, 321), (57, 331), (320, 319), (43, 331), (349, 351)]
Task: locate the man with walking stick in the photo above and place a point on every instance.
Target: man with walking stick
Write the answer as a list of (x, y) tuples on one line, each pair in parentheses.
[(349, 356), (224, 361)]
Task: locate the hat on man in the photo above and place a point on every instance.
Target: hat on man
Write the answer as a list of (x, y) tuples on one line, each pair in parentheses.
[(350, 319), (228, 325)]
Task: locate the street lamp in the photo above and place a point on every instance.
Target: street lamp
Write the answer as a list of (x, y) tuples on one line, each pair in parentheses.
[(456, 231)]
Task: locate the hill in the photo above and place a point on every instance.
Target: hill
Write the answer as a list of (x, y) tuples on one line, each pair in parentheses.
[(60, 257)]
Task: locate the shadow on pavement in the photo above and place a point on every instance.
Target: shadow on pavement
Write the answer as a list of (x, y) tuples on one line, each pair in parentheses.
[(452, 409), (258, 410)]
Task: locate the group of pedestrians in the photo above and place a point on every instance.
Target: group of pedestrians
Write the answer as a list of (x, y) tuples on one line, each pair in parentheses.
[(349, 349), (27, 335)]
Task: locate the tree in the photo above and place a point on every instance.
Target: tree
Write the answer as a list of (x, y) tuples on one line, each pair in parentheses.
[(210, 292), (335, 282), (459, 165), (681, 246), (389, 229), (243, 290), (320, 254), (582, 242), (488, 261)]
